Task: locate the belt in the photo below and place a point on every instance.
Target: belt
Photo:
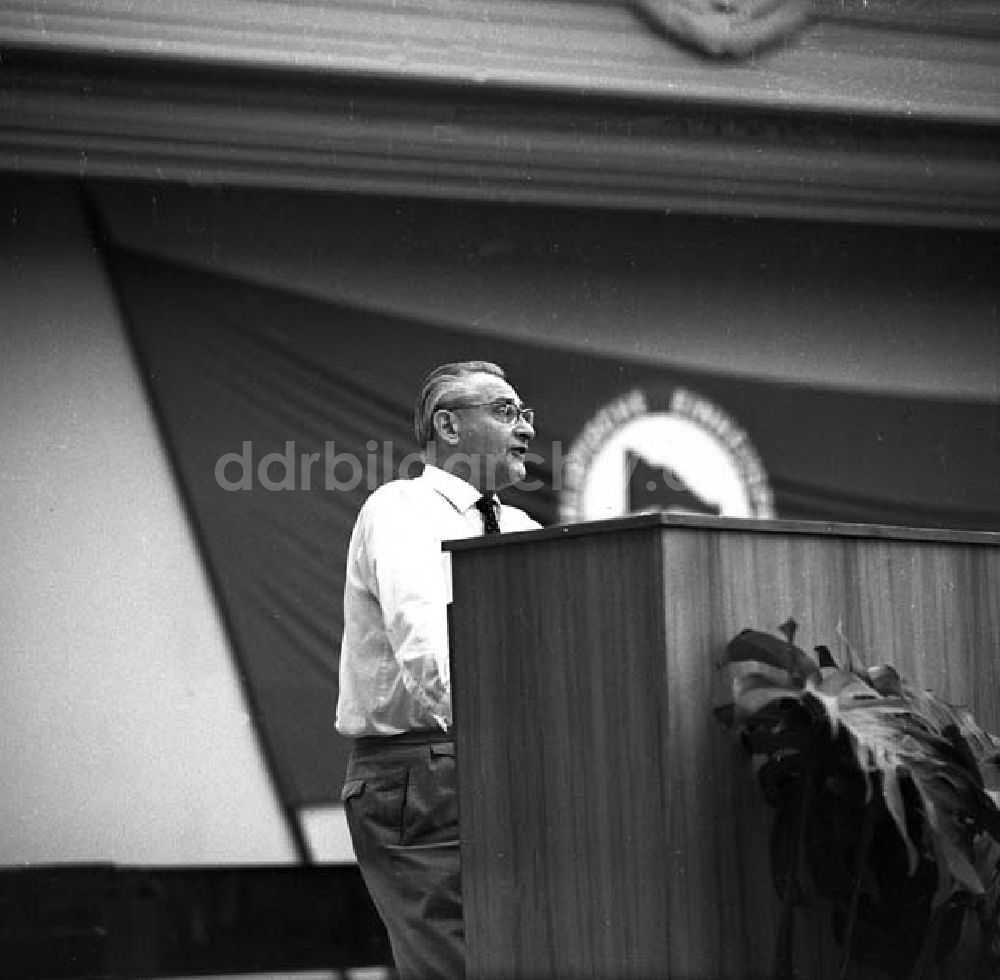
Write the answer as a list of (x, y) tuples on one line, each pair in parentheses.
[(420, 736)]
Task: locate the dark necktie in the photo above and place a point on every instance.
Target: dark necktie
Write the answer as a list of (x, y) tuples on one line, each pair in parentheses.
[(485, 507)]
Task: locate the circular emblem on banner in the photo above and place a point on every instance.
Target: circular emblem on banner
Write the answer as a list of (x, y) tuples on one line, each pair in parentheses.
[(679, 453)]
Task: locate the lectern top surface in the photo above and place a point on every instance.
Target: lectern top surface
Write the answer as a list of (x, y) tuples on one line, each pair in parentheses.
[(661, 520)]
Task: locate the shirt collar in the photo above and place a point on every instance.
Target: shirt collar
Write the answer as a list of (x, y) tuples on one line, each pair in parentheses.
[(460, 494)]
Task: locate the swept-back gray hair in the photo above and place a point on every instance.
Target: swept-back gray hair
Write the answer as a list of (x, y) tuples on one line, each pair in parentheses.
[(447, 383)]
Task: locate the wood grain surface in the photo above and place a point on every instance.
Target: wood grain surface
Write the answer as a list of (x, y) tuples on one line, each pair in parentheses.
[(610, 827)]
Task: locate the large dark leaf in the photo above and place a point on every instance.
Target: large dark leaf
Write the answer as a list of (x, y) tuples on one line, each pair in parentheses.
[(895, 736), (753, 645)]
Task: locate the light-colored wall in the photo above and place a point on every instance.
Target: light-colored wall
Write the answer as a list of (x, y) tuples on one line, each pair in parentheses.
[(124, 735)]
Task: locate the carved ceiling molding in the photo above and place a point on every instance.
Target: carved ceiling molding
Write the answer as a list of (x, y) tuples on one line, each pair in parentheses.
[(930, 57), (162, 24), (114, 119), (855, 110)]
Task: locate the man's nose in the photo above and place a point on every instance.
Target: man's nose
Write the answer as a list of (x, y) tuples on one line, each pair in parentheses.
[(524, 428)]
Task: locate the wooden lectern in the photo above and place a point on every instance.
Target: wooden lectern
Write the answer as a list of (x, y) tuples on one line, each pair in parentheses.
[(610, 828)]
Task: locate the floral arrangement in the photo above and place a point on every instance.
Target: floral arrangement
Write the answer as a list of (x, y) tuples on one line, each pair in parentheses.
[(886, 804)]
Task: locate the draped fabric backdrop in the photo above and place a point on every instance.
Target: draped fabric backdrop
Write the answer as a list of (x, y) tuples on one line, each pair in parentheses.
[(242, 374)]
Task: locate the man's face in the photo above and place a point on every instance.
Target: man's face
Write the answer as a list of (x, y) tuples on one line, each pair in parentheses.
[(494, 449)]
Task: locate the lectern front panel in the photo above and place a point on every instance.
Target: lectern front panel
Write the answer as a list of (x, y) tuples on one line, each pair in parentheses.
[(610, 828)]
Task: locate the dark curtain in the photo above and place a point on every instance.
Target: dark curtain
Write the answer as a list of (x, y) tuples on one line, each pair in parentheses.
[(238, 371)]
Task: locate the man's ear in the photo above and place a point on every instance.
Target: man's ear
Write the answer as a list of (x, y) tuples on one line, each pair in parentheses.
[(445, 429)]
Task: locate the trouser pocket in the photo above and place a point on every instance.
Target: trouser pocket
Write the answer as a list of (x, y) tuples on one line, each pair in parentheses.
[(374, 803)]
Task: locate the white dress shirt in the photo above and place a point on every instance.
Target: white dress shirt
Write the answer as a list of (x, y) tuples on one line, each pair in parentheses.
[(394, 670)]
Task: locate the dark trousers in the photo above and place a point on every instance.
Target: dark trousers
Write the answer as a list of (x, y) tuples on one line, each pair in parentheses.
[(401, 801)]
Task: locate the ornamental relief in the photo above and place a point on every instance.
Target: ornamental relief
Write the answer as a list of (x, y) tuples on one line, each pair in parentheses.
[(723, 28)]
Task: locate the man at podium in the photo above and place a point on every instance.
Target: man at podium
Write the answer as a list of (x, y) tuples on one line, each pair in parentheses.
[(400, 792)]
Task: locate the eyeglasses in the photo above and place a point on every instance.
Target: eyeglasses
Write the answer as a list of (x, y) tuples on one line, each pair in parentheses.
[(510, 413)]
